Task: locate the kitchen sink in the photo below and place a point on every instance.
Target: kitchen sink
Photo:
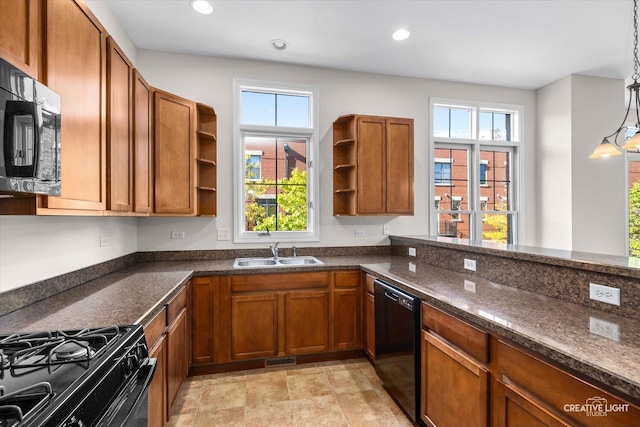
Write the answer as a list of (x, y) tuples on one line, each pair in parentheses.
[(276, 262)]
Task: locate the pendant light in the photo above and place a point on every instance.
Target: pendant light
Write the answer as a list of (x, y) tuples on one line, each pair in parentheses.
[(606, 147)]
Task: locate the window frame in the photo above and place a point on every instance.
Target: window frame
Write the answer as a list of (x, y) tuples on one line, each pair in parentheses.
[(311, 134), (475, 145)]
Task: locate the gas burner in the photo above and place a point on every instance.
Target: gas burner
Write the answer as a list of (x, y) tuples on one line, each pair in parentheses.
[(72, 350)]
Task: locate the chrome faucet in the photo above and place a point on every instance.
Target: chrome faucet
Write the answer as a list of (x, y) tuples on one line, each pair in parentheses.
[(293, 248), (274, 250)]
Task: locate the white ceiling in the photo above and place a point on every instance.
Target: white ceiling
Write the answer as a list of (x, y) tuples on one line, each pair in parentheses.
[(513, 43)]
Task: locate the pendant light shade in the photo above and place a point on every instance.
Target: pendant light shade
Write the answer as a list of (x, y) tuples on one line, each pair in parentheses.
[(604, 150), (606, 147)]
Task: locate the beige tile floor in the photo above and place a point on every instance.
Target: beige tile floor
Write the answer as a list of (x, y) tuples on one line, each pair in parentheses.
[(340, 393)]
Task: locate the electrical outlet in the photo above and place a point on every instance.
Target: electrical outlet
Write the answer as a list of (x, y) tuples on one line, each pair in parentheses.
[(177, 234), (223, 234), (361, 233), (412, 267), (386, 229), (105, 241), (604, 328), (412, 251), (470, 264), (470, 286), (604, 294)]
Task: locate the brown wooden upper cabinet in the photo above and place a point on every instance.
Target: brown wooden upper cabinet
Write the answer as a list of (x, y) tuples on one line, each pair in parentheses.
[(142, 144), (174, 154), (372, 165), (75, 45), (20, 34), (119, 129)]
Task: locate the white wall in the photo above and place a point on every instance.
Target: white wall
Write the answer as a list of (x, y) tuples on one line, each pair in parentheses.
[(554, 206), (36, 248), (209, 80), (580, 200)]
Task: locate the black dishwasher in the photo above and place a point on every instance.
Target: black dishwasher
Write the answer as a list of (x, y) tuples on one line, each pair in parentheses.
[(397, 331)]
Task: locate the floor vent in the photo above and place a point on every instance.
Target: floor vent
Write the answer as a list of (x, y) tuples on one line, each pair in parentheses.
[(283, 361)]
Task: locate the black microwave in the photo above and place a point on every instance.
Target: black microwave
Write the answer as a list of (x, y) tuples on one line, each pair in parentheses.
[(30, 134)]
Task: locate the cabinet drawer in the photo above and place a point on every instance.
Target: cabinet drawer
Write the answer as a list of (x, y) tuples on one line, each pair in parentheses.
[(347, 279), (559, 389), (463, 335), (155, 328), (175, 306), (271, 282)]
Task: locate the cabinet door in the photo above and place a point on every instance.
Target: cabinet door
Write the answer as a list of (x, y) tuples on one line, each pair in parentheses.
[(20, 34), (177, 356), (399, 166), (371, 165), (119, 131), (454, 386), (306, 322), (347, 317), (254, 326), (370, 322), (142, 144), (76, 69), (516, 409), (157, 389), (203, 327), (174, 124)]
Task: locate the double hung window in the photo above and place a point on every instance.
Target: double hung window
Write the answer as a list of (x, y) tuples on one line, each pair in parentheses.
[(275, 143), (475, 162)]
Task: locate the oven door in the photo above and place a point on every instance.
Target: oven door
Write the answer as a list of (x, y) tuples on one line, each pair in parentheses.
[(130, 408)]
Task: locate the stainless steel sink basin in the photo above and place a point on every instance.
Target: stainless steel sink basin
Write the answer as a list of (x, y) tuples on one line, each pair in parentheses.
[(277, 262)]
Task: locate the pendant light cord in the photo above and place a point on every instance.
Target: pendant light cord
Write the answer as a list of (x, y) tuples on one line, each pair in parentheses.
[(635, 76)]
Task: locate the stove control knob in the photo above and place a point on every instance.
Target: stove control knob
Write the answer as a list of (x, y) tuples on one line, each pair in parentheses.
[(130, 364)]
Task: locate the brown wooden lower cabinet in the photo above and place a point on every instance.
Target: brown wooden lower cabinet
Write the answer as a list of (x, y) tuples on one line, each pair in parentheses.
[(347, 311), (177, 356), (306, 322), (203, 291), (157, 389), (531, 391), (254, 326), (454, 386), (369, 318)]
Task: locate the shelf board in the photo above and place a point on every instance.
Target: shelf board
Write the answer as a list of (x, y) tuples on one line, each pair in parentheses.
[(206, 162), (344, 141), (345, 166), (206, 135)]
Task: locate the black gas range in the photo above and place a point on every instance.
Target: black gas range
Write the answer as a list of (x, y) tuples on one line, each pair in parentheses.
[(75, 378)]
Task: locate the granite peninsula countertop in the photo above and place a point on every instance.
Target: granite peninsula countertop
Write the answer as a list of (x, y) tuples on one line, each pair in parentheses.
[(571, 334)]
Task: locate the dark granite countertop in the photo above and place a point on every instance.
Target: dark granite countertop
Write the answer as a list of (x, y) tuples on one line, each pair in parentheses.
[(568, 333)]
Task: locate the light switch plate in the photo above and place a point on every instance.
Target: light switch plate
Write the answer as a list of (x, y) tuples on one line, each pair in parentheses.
[(412, 267), (223, 234), (177, 234), (412, 251)]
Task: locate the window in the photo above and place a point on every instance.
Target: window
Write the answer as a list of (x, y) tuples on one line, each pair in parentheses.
[(475, 159), (275, 143), (442, 172), (633, 211)]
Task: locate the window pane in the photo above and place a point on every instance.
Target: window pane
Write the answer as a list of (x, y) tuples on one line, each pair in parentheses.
[(497, 227), (277, 199), (495, 126), (634, 208), (452, 178), (258, 108), (451, 122), (292, 110), (497, 182), (271, 109), (453, 225)]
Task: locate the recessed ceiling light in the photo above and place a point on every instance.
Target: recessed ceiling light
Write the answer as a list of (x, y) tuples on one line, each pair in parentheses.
[(401, 34), (202, 6), (279, 44)]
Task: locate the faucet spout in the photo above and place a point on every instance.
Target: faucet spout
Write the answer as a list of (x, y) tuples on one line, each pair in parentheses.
[(274, 250)]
